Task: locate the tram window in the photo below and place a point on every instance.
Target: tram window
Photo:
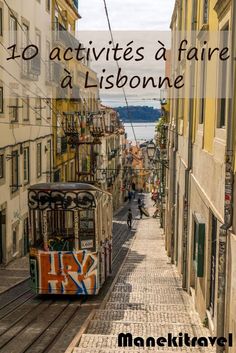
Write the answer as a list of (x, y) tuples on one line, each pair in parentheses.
[(38, 228), (60, 223), (87, 230), (86, 224), (60, 230)]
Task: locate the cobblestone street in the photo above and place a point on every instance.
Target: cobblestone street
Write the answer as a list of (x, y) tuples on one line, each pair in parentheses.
[(146, 300)]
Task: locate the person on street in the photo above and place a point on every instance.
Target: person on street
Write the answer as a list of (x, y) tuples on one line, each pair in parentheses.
[(140, 206), (129, 219), (129, 196)]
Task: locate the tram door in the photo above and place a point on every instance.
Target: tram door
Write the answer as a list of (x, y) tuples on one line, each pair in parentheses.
[(2, 233)]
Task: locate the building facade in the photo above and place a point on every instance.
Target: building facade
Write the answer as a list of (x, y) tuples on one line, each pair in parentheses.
[(25, 118), (109, 155), (201, 163)]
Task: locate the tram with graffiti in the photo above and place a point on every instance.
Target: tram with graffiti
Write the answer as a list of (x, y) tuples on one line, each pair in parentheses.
[(70, 238)]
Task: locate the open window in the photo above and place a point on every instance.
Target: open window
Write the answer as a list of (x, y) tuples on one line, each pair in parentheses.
[(55, 232)]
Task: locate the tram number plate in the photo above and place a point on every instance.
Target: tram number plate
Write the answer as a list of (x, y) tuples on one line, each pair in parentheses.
[(86, 244)]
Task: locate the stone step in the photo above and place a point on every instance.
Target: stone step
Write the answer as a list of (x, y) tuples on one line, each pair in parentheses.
[(147, 316), (157, 280), (161, 296), (97, 327), (142, 350), (139, 350), (147, 288), (109, 343), (160, 281), (149, 307), (148, 275)]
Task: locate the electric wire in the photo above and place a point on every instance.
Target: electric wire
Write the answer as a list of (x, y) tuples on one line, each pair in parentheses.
[(118, 66)]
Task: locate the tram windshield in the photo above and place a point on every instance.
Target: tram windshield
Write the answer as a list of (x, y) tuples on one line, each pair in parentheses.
[(63, 216), (63, 230)]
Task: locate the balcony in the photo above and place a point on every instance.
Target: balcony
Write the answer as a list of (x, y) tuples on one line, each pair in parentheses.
[(62, 93), (75, 94), (70, 124), (63, 37)]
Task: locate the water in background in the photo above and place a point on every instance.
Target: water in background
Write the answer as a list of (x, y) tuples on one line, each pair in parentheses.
[(143, 131)]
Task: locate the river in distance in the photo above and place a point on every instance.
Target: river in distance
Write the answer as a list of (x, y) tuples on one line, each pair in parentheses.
[(143, 131)]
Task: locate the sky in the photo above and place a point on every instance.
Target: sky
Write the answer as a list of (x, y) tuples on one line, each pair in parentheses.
[(127, 15)]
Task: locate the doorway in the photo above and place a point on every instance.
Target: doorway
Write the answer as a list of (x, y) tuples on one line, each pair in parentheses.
[(2, 234)]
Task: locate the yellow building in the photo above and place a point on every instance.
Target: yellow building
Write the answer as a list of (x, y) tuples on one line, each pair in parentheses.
[(199, 182), (71, 105)]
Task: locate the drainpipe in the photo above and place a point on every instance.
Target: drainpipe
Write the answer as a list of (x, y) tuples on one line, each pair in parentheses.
[(174, 197), (186, 195), (187, 180), (186, 224), (228, 206)]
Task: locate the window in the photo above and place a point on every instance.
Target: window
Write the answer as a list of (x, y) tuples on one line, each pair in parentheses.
[(14, 241), (15, 172), (13, 109), (202, 93), (48, 5), (26, 236), (48, 109), (1, 166), (38, 108), (39, 160), (48, 63), (205, 11), (38, 41), (13, 31), (26, 108), (223, 80), (25, 43), (35, 63), (1, 22), (1, 99), (26, 165), (199, 245)]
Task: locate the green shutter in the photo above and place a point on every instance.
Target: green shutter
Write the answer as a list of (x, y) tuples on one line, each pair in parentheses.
[(199, 245), (200, 251)]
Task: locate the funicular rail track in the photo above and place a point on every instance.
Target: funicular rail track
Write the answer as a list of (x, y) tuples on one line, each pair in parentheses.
[(37, 324)]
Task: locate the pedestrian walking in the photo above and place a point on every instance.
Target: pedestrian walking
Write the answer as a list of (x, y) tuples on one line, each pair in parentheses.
[(129, 196), (142, 210), (140, 205), (129, 219)]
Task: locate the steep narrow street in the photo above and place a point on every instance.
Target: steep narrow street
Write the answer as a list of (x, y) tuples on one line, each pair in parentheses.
[(146, 300)]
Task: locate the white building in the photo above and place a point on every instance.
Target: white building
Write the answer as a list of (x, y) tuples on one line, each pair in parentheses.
[(25, 118)]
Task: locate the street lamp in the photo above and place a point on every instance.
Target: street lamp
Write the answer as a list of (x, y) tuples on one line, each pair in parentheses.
[(151, 149)]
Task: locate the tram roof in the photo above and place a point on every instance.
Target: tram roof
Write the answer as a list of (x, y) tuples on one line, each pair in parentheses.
[(64, 186)]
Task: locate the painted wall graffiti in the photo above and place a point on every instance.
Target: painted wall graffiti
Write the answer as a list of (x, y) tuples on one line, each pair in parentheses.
[(65, 272)]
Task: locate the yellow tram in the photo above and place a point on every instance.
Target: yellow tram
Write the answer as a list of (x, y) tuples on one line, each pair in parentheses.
[(71, 238)]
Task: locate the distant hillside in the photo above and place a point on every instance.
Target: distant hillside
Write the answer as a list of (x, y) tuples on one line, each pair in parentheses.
[(139, 114)]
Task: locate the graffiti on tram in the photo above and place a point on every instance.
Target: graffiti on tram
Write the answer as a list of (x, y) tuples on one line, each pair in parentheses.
[(65, 272)]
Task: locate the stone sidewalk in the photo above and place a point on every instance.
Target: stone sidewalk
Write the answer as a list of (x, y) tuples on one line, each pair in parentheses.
[(14, 273), (147, 300)]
